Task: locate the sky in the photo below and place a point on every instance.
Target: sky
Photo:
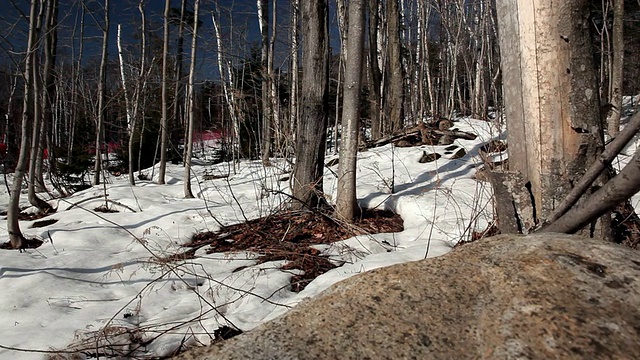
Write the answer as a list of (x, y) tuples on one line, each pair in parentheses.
[(237, 17)]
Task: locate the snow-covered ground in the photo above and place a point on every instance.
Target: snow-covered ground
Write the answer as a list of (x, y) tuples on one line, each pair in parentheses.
[(97, 274)]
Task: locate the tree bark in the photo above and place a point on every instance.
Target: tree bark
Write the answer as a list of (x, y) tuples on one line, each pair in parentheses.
[(294, 111), (346, 202), (615, 92), (13, 211), (550, 95), (263, 19), (164, 127), (376, 75), (191, 104), (395, 94), (102, 89), (312, 124), (36, 136)]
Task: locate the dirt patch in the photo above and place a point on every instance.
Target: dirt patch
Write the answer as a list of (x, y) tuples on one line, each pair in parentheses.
[(31, 243), (290, 235)]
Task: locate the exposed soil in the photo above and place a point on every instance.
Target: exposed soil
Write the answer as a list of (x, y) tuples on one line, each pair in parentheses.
[(31, 243), (289, 236)]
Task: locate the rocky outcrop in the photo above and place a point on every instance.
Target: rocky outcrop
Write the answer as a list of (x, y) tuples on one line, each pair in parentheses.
[(544, 296)]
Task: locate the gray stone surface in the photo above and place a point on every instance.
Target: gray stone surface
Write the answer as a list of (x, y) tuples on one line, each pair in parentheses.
[(545, 296)]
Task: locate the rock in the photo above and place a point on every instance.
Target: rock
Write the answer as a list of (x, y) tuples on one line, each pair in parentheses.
[(445, 140), (459, 154), (547, 296), (444, 124), (427, 158)]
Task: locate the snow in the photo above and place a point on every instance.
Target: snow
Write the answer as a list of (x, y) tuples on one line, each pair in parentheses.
[(97, 278)]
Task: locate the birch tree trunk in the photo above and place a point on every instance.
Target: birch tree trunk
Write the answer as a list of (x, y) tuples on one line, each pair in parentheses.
[(13, 210), (274, 101), (191, 104), (307, 184), (263, 19), (128, 107), (550, 95), (164, 126), (346, 202), (177, 98), (102, 89), (615, 93), (227, 86), (293, 102), (50, 44), (36, 136)]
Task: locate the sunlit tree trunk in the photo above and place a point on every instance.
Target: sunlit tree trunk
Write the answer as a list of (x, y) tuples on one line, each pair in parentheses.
[(177, 97), (312, 124), (102, 89), (550, 95), (191, 104), (164, 127), (346, 202), (263, 19), (227, 88), (36, 136), (273, 81), (50, 44), (13, 211), (293, 102), (615, 90)]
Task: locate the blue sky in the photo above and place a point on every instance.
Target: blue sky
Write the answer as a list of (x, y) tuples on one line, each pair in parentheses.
[(237, 16)]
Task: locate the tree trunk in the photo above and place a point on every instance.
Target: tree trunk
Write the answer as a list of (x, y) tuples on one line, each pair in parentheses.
[(263, 19), (294, 70), (128, 107), (164, 127), (177, 98), (346, 202), (615, 93), (102, 89), (50, 43), (13, 211), (36, 136), (191, 104), (274, 101), (550, 95), (227, 88), (376, 75), (312, 124), (395, 95)]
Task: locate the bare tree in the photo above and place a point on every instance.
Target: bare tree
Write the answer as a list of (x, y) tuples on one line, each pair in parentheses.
[(312, 124), (375, 81), (102, 89), (13, 211), (164, 127), (36, 136), (395, 95), (293, 102), (227, 88), (263, 19), (191, 103), (615, 89), (346, 202)]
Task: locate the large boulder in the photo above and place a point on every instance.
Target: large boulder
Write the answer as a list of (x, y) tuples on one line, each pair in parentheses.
[(546, 296)]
